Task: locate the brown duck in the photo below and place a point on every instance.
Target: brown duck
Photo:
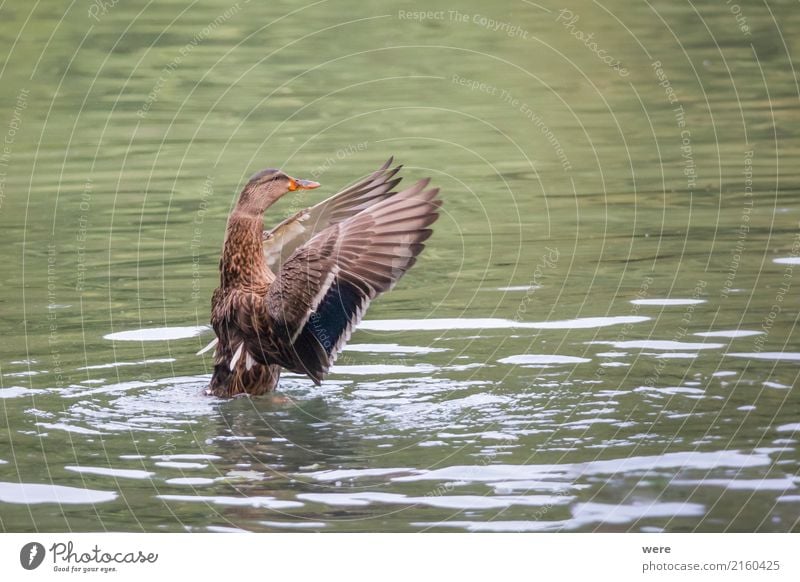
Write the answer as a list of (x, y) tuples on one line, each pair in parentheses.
[(291, 297)]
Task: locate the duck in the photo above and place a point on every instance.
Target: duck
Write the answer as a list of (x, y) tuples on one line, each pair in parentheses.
[(290, 298)]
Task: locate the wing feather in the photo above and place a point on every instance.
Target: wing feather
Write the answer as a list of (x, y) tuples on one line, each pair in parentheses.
[(324, 288), (286, 237)]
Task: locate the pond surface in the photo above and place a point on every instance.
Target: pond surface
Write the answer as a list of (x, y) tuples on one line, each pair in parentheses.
[(601, 335)]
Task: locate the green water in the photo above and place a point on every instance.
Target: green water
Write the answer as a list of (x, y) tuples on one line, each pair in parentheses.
[(607, 199)]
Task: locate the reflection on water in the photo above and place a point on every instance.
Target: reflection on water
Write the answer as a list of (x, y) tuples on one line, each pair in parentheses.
[(428, 444), (601, 335)]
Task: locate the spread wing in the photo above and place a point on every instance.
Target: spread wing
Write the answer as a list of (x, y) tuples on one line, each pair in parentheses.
[(324, 288), (284, 239)]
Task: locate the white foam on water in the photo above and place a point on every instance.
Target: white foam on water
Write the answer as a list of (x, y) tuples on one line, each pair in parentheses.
[(155, 334), (495, 526), (494, 323), (787, 261), (670, 390), (117, 473), (667, 302), (294, 525), (242, 475), (661, 345), (19, 391), (532, 485), (668, 461), (582, 514), (69, 428), (190, 481), (342, 474), (520, 288), (35, 493), (733, 333), (542, 360), (585, 513), (677, 356), (392, 349), (793, 427), (498, 436), (740, 484), (186, 457), (24, 374), (464, 502), (181, 465), (776, 385), (256, 501), (590, 322), (782, 356), (184, 332), (120, 364), (108, 388), (381, 369)]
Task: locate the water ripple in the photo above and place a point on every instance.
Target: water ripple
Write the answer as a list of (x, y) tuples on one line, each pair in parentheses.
[(34, 493)]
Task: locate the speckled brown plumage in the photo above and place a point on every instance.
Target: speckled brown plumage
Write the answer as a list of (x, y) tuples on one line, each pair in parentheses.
[(330, 261)]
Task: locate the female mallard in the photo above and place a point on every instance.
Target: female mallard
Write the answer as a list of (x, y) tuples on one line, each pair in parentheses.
[(290, 298)]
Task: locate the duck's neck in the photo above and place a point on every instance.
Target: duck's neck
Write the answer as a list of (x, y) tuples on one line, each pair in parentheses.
[(242, 263)]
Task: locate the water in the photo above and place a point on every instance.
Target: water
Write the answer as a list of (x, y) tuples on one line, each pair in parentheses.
[(601, 335)]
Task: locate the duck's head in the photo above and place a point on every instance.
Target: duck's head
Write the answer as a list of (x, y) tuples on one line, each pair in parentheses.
[(265, 187)]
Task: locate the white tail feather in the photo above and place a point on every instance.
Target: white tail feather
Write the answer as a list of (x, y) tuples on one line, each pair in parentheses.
[(249, 362), (236, 356), (211, 344)]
